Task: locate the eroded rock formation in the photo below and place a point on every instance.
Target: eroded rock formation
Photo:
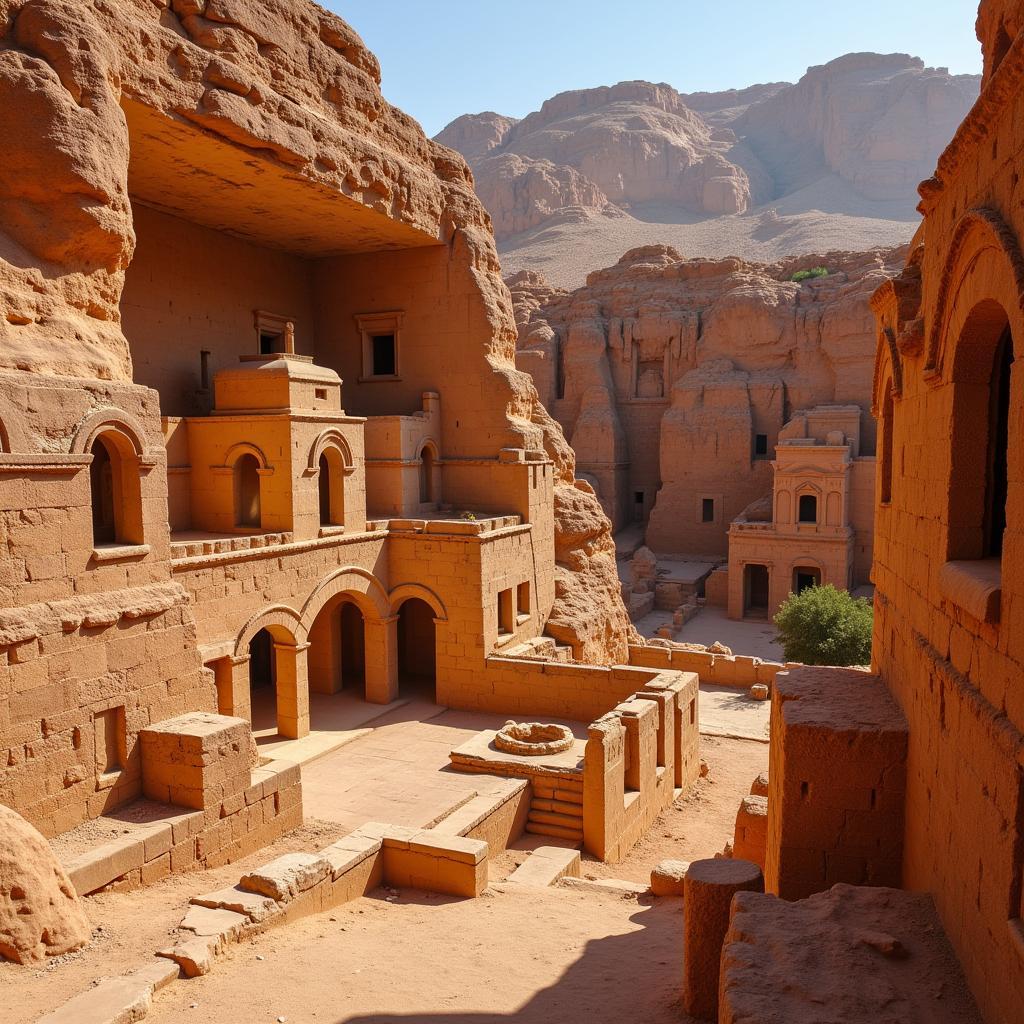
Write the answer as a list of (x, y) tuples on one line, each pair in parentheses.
[(285, 81), (831, 160), (40, 912), (663, 372)]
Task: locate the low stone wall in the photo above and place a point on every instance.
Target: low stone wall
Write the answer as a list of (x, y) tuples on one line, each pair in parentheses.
[(228, 810), (715, 669)]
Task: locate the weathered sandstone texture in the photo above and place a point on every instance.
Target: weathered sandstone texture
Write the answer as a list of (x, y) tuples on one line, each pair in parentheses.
[(662, 371), (122, 115), (40, 912), (847, 956), (949, 538)]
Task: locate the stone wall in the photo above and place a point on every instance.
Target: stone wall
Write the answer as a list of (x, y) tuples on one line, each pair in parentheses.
[(949, 610)]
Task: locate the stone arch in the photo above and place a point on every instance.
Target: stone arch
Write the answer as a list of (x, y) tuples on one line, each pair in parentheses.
[(362, 587), (400, 594), (331, 438), (428, 457), (281, 621), (888, 375), (982, 241), (106, 420), (236, 451)]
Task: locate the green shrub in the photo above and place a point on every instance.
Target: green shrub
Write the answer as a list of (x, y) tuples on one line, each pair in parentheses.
[(804, 275), (825, 626)]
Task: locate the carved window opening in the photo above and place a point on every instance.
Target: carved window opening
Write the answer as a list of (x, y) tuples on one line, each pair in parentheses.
[(885, 469), (275, 333), (997, 484), (381, 334), (760, 446), (331, 484), (248, 511), (506, 613), (707, 510), (807, 508), (116, 490), (805, 577), (426, 472), (982, 371)]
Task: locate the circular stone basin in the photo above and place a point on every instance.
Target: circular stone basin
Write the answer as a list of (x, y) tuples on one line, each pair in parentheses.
[(533, 738)]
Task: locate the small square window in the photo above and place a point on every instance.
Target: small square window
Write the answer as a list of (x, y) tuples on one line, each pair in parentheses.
[(383, 355), (382, 341), (707, 510), (760, 445), (320, 394)]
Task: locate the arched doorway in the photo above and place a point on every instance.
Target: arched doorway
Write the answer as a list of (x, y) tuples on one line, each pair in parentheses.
[(417, 671), (278, 708), (331, 483), (337, 652), (247, 492)]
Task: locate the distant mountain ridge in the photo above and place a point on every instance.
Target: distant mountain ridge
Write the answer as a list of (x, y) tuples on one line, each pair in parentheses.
[(856, 134)]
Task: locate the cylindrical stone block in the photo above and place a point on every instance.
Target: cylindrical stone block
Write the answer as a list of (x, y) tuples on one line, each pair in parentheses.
[(708, 891)]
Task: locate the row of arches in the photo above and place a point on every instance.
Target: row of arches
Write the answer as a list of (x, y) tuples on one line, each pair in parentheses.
[(352, 641)]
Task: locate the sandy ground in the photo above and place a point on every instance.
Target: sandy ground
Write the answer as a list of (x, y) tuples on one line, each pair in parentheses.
[(539, 958), (128, 927), (753, 637), (823, 217)]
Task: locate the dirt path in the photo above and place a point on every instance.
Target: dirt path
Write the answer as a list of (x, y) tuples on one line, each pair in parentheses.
[(546, 957)]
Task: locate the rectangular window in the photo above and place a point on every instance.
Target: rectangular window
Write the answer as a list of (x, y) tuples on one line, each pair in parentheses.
[(383, 355), (707, 510), (320, 394), (275, 332), (760, 446), (269, 343), (109, 738), (523, 599), (506, 613), (382, 343)]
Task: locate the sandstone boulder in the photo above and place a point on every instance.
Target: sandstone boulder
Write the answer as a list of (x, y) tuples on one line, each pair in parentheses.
[(40, 913)]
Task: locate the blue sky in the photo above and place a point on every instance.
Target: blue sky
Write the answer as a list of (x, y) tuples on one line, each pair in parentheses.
[(442, 58)]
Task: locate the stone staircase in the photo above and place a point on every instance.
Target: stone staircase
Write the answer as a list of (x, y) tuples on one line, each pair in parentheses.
[(556, 808)]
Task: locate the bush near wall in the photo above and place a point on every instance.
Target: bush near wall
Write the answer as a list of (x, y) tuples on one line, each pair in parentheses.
[(825, 626)]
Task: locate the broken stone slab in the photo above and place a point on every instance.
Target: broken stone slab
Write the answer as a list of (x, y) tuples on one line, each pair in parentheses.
[(254, 905), (227, 925), (668, 877), (349, 852), (116, 1000), (759, 787), (620, 887), (759, 691), (286, 877), (545, 866), (194, 955)]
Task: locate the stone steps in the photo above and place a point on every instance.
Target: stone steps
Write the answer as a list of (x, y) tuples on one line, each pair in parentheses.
[(539, 829)]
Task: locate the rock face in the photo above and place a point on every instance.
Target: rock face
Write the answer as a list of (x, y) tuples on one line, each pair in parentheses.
[(40, 912), (81, 84), (831, 160), (662, 370)]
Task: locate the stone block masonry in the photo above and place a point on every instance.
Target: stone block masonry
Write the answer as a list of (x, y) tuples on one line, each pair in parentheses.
[(837, 782)]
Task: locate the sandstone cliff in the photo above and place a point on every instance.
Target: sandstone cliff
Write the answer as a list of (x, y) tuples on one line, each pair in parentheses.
[(771, 171), (662, 370), (84, 84)]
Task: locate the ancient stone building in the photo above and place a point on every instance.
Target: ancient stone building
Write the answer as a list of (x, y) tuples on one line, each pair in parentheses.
[(261, 433), (815, 526), (674, 379), (911, 776)]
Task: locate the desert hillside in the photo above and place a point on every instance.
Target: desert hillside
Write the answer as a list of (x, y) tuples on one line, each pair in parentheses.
[(766, 172)]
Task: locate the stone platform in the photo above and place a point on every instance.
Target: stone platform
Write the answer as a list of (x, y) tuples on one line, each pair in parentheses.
[(852, 955)]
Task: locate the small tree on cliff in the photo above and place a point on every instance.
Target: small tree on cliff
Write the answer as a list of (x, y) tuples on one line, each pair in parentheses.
[(825, 626)]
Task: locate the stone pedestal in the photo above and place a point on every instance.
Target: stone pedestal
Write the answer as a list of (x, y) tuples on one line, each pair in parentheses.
[(708, 891), (195, 760)]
